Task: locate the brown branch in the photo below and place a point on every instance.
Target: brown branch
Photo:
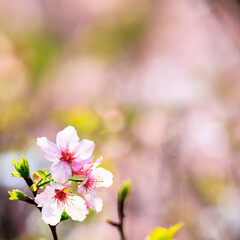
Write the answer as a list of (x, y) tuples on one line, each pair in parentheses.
[(119, 225)]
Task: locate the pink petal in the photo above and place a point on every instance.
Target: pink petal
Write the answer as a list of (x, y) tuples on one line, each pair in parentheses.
[(50, 150), (98, 162), (76, 209), (61, 171), (78, 163), (51, 212), (60, 186), (45, 196), (84, 170), (82, 189), (94, 201), (85, 148), (104, 177), (67, 138)]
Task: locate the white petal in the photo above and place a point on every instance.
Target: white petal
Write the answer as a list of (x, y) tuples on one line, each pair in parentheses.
[(45, 196), (67, 138), (94, 201), (85, 148), (50, 150), (104, 177), (51, 212), (76, 208), (61, 171)]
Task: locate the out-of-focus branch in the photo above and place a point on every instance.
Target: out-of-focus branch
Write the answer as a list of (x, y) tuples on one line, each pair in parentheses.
[(123, 192)]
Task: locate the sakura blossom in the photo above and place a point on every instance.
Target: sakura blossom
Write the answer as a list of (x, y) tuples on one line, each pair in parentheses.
[(95, 178), (68, 154), (55, 199)]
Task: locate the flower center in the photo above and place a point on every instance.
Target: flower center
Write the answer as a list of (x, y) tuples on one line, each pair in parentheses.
[(91, 183), (60, 195), (67, 156)]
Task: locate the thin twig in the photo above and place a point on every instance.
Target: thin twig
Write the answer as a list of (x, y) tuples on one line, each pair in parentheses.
[(31, 201), (121, 218), (119, 225)]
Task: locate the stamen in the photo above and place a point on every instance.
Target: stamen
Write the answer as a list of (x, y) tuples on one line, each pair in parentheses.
[(69, 156), (60, 195)]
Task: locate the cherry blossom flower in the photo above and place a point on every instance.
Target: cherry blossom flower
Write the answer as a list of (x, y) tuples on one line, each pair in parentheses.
[(55, 199), (68, 155), (96, 177), (85, 169)]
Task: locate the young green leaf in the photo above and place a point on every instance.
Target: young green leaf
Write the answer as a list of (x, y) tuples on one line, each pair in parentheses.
[(14, 174), (22, 167), (17, 195), (42, 174)]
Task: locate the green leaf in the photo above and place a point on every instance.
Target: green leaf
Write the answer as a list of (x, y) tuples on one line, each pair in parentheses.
[(22, 167), (64, 216), (164, 233), (42, 174), (17, 195), (125, 190)]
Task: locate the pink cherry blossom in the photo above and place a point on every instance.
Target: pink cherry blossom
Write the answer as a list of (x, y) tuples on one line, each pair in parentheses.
[(85, 169), (96, 177), (68, 155), (55, 199)]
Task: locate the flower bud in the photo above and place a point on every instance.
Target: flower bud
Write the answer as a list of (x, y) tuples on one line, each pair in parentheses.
[(17, 195), (125, 190), (36, 177), (22, 167), (33, 187)]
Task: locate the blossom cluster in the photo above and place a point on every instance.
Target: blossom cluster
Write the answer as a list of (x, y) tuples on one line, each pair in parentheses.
[(71, 157)]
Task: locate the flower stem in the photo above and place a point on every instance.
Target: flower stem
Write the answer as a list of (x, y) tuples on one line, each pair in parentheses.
[(75, 180), (40, 185)]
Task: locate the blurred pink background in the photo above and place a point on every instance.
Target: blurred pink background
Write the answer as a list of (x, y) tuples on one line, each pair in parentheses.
[(154, 83)]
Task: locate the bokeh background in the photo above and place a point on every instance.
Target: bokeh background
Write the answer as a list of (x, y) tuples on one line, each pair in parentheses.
[(154, 83)]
